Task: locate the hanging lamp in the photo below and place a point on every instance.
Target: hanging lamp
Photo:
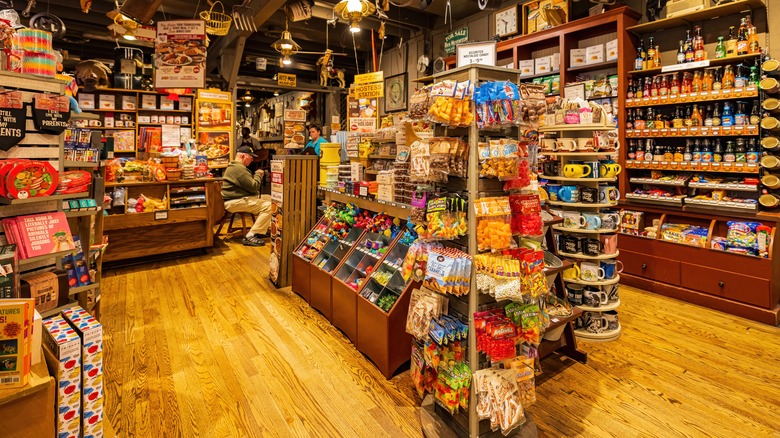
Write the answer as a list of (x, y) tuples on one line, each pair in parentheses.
[(353, 11), (286, 46)]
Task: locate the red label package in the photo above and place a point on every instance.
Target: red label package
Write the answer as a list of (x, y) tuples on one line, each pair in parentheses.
[(91, 333), (63, 357)]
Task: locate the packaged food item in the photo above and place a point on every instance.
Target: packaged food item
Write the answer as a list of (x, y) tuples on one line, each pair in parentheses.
[(420, 103), (493, 228), (448, 271)]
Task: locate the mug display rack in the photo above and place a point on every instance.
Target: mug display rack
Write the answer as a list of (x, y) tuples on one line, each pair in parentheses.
[(593, 324)]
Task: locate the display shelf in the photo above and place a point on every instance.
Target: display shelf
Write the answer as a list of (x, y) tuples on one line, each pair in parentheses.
[(581, 127), (161, 111), (161, 124), (153, 183), (593, 67), (383, 140), (563, 178), (58, 310), (394, 209), (381, 157), (106, 110), (660, 200), (700, 15), (694, 65), (81, 289), (691, 98), (80, 164), (6, 201), (659, 182), (83, 116), (540, 75), (594, 283), (720, 205), (737, 187), (610, 335), (587, 257), (23, 263), (583, 230), (605, 308), (577, 154), (83, 213), (581, 204), (694, 167), (670, 133), (134, 91)]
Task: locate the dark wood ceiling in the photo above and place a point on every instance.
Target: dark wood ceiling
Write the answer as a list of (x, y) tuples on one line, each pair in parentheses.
[(87, 36)]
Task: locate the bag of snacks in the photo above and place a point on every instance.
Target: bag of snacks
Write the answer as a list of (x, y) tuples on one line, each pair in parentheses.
[(420, 161), (493, 223), (420, 103)]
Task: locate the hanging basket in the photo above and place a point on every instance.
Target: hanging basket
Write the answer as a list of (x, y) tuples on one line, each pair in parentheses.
[(217, 23)]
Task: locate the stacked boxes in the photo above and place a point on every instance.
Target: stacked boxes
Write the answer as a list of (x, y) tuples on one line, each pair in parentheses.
[(91, 333), (63, 356), (386, 188)]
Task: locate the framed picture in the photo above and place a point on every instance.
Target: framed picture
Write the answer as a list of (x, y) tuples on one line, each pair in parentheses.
[(395, 93)]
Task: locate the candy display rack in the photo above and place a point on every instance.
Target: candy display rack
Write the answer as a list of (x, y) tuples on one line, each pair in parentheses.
[(324, 264), (302, 257), (564, 158)]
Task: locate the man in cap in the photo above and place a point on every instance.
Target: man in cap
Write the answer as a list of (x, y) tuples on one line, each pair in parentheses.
[(241, 192)]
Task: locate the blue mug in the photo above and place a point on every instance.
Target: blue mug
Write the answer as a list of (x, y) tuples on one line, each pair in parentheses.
[(592, 221), (552, 191), (569, 194), (610, 268)]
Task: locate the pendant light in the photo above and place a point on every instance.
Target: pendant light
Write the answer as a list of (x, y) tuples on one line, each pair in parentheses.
[(286, 46), (353, 11)]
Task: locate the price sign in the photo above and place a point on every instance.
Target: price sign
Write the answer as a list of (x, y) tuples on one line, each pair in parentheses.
[(369, 91), (286, 80)]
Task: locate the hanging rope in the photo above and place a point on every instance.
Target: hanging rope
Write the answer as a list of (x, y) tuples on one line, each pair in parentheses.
[(195, 14), (354, 47)]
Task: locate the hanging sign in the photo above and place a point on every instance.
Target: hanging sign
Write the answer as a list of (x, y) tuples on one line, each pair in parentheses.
[(261, 64), (13, 118), (180, 54), (286, 80), (483, 53), (367, 78), (370, 91), (452, 39), (51, 112)]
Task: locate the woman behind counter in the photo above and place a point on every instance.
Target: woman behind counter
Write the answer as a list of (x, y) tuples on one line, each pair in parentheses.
[(313, 146)]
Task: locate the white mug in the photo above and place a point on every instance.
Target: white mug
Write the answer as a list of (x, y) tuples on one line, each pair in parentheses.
[(573, 219), (567, 144), (549, 144), (591, 272), (585, 143)]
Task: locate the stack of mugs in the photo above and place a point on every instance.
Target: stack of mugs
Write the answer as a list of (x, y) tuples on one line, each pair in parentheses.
[(770, 131)]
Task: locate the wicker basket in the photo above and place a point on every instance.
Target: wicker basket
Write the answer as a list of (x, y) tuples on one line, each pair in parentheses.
[(217, 23), (173, 174), (170, 162)]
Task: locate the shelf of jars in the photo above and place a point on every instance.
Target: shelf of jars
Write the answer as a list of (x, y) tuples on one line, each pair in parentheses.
[(747, 168)]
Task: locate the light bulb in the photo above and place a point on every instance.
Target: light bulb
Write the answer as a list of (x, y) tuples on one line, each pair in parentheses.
[(286, 60), (286, 46), (129, 35), (276, 93), (354, 27), (354, 6)]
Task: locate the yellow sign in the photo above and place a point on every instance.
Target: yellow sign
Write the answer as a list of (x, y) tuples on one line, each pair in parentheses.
[(285, 80), (369, 91), (369, 77)]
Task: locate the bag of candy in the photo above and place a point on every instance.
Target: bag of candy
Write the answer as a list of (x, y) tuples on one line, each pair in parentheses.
[(420, 103), (420, 162)]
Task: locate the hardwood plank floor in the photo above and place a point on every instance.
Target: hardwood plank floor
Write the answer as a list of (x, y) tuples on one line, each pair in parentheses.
[(206, 347)]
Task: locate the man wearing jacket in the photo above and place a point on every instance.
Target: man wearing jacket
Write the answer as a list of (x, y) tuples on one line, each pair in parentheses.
[(241, 192)]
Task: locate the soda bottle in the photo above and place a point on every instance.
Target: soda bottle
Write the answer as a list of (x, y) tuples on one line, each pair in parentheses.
[(740, 118), (727, 119), (752, 152), (728, 154), (699, 54), (681, 54), (742, 39), (687, 155), (720, 49), (717, 152), (731, 43), (740, 153)]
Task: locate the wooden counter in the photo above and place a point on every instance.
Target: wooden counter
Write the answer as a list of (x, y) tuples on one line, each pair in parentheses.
[(136, 235), (29, 411)]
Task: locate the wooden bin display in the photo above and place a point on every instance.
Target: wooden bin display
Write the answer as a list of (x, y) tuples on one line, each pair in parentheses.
[(328, 261), (187, 224), (739, 284), (304, 254)]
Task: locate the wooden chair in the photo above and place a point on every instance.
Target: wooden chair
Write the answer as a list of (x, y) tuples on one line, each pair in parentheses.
[(232, 217)]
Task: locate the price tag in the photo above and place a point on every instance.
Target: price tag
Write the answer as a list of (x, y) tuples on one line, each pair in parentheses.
[(161, 215), (739, 165), (645, 132), (683, 97), (751, 89), (694, 96), (725, 93), (654, 99), (705, 130), (654, 132), (715, 166), (683, 131), (673, 131), (693, 130)]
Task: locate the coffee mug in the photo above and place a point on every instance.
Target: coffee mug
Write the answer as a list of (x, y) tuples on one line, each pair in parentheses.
[(590, 271), (595, 171), (573, 219), (576, 170), (585, 144), (567, 145), (611, 317), (610, 170), (552, 191), (593, 322), (610, 220), (589, 195), (608, 194), (591, 247), (592, 221), (609, 243), (574, 294), (569, 194), (572, 273), (551, 168), (613, 292), (571, 244), (593, 297), (549, 144), (611, 268)]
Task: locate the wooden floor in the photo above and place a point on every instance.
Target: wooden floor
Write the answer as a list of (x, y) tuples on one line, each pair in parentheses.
[(205, 347)]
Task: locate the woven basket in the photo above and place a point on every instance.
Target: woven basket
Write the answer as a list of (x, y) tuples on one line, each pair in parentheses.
[(217, 23), (170, 161), (172, 174)]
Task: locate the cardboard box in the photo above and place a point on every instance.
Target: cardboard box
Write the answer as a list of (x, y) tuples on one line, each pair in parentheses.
[(385, 192), (612, 50), (62, 350), (594, 54), (577, 57), (90, 331), (185, 103), (166, 103), (129, 103), (149, 101), (107, 101), (526, 66), (384, 177), (86, 101), (555, 62), (542, 65)]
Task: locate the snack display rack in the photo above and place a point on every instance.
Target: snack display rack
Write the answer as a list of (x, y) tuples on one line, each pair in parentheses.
[(323, 266), (307, 250), (584, 233)]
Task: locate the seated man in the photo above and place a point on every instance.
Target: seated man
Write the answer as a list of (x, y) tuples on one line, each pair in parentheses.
[(241, 191)]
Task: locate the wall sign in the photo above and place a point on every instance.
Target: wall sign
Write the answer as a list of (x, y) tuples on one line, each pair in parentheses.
[(180, 54), (51, 113), (367, 78), (454, 38), (286, 80), (483, 53), (261, 64), (13, 119), (369, 91)]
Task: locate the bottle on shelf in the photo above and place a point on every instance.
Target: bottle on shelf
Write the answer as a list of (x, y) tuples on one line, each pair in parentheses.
[(650, 58), (677, 121), (699, 54), (717, 151), (741, 77), (650, 120), (720, 49), (661, 121), (630, 90), (646, 89), (632, 149), (668, 153), (696, 151), (706, 152), (657, 59), (727, 82), (649, 149), (674, 85), (727, 119), (706, 81), (717, 79), (696, 82), (679, 155), (629, 118), (708, 116), (687, 83), (754, 78), (663, 87), (740, 152), (755, 116), (687, 154), (716, 117), (728, 154), (689, 51), (696, 119), (688, 119), (753, 46), (639, 119), (740, 117), (639, 63), (742, 38), (681, 53), (655, 86), (752, 151), (731, 43), (640, 152)]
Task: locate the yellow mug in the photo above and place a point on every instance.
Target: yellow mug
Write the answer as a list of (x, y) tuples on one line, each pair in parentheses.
[(610, 170), (576, 170), (572, 273)]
